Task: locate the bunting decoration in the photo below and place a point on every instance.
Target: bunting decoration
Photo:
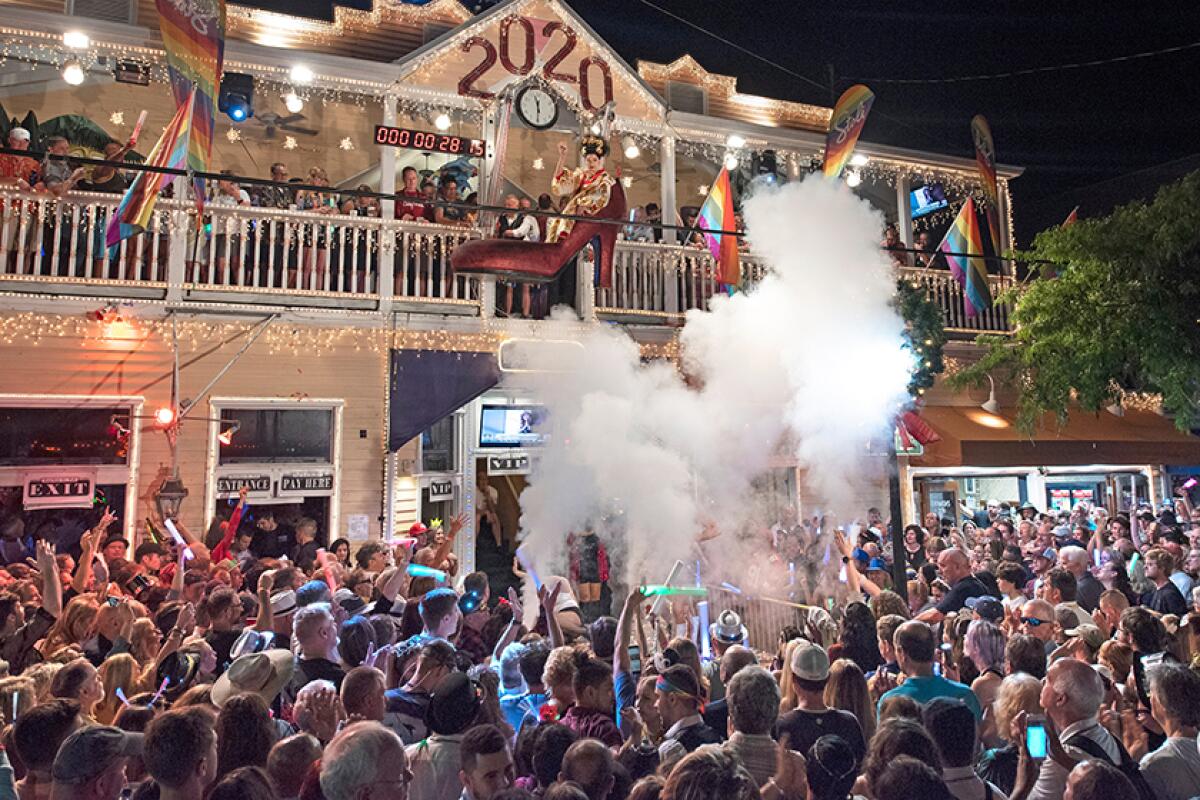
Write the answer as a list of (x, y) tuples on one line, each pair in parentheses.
[(849, 117), (985, 159), (717, 215), (170, 151), (963, 249), (193, 33)]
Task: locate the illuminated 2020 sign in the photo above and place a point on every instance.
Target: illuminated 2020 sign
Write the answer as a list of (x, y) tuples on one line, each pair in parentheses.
[(520, 40)]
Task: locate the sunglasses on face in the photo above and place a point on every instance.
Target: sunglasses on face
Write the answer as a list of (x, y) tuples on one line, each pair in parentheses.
[(1033, 622)]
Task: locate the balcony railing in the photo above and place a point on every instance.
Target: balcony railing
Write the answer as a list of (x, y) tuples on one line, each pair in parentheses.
[(252, 255)]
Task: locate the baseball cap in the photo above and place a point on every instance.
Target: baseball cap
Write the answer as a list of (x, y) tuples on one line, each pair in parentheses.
[(417, 529), (116, 537), (1050, 554), (349, 601), (19, 133), (877, 563), (90, 751), (986, 607), (1089, 633), (810, 662)]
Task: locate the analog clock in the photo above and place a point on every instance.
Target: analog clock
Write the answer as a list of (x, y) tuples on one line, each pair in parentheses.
[(537, 108)]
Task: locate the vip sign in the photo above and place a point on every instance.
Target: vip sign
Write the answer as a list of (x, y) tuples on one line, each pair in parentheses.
[(59, 490), (508, 465), (440, 490)]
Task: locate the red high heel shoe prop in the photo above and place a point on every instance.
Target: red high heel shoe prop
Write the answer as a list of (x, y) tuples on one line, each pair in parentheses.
[(540, 262)]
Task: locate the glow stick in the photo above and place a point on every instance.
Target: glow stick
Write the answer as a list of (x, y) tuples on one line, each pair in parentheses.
[(188, 555), (121, 696), (406, 541), (1096, 557), (1133, 562), (675, 591), (422, 571), (162, 688), (137, 128), (671, 576), (323, 560), (527, 565), (16, 703), (731, 588), (705, 645)]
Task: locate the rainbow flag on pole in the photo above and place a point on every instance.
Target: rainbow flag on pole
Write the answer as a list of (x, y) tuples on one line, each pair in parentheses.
[(845, 126), (171, 151), (717, 215), (194, 37), (985, 159), (963, 249)]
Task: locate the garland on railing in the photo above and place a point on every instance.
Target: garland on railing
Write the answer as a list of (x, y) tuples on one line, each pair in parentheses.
[(925, 334)]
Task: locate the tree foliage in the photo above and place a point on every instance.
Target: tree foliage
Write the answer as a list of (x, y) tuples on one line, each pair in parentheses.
[(1113, 307), (925, 334)]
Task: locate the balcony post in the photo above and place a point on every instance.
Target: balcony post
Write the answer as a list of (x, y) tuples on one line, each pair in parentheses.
[(666, 157), (387, 185), (904, 211), (177, 242), (1006, 242)]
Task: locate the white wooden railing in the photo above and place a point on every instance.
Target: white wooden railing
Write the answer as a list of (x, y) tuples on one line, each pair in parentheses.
[(243, 254)]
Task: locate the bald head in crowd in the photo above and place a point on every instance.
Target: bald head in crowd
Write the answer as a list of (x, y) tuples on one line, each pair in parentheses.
[(589, 763), (735, 659)]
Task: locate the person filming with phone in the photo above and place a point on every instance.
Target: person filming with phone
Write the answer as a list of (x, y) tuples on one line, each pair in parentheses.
[(1071, 697)]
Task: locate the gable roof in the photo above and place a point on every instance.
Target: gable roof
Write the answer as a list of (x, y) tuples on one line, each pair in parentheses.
[(503, 9)]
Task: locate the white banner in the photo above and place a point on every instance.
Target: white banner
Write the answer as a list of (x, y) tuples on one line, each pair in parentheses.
[(60, 487)]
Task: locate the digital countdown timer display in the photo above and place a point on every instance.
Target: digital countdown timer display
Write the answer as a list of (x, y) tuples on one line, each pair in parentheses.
[(429, 142)]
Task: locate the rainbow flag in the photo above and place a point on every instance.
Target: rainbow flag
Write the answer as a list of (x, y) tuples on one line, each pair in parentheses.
[(717, 215), (193, 34), (963, 249), (171, 151), (849, 117), (985, 159)]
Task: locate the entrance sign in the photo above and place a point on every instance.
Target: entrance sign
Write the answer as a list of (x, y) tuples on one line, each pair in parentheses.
[(228, 486), (508, 465), (65, 488)]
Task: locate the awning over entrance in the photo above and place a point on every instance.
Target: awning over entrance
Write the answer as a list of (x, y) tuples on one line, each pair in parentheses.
[(426, 385), (972, 437)]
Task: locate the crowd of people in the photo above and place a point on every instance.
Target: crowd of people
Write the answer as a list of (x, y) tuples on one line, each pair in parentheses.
[(1031, 655)]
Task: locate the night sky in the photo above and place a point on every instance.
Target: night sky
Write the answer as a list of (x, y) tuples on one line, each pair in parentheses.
[(1069, 128)]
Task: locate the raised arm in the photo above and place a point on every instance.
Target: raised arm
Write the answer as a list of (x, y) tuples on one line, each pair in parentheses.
[(183, 627), (442, 552), (51, 580), (221, 551), (514, 625), (548, 600), (621, 661), (266, 618), (83, 567)]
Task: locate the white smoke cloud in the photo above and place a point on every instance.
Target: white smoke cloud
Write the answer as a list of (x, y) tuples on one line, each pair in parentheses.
[(813, 359)]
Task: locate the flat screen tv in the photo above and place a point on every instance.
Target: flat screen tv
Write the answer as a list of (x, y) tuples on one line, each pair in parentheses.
[(511, 426), (927, 199)]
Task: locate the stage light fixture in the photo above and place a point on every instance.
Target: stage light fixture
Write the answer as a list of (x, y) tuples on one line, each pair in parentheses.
[(237, 96), (165, 416), (293, 103), (631, 147), (442, 122)]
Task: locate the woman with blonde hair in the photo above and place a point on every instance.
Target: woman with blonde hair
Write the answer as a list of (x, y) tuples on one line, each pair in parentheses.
[(558, 676), (73, 628), (144, 641), (847, 690), (787, 682), (1018, 692), (888, 602), (118, 672), (42, 675)]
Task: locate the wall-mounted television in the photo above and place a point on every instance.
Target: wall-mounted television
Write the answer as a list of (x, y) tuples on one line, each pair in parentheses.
[(511, 426), (927, 199)]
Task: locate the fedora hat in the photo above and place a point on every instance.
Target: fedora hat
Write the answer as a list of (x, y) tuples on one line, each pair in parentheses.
[(264, 674)]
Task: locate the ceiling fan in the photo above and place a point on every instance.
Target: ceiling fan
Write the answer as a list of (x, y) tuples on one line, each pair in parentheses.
[(272, 122)]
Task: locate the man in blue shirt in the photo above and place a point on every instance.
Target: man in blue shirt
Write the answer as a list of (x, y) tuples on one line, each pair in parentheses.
[(914, 643)]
